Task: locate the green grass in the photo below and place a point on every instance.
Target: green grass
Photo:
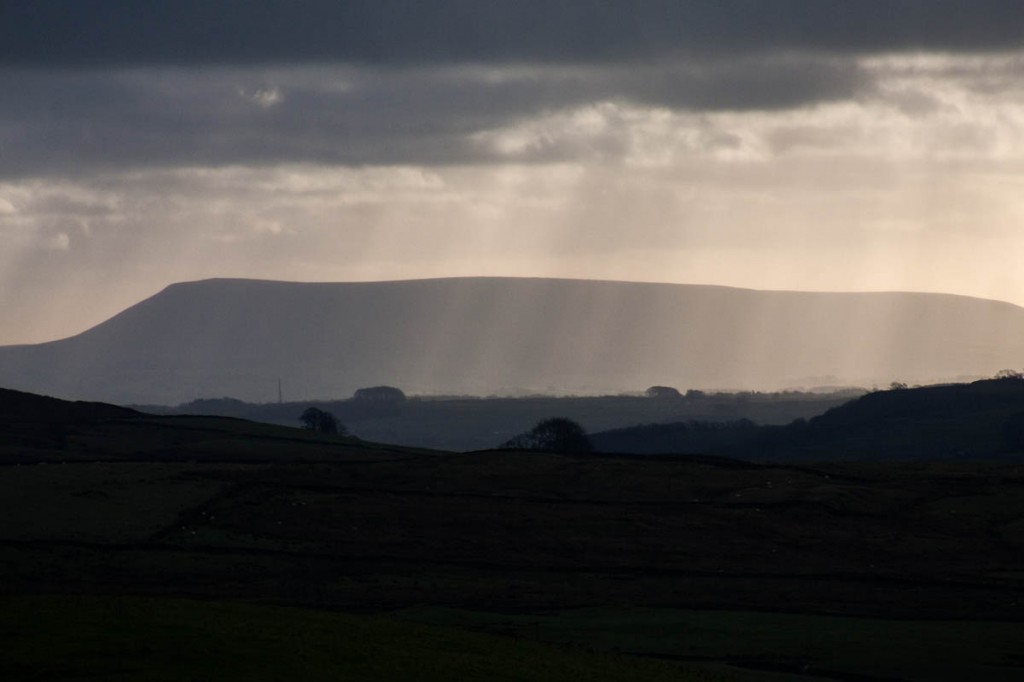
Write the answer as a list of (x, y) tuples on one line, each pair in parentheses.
[(819, 645), (48, 638)]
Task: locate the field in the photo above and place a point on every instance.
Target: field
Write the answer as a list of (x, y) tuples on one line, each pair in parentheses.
[(175, 639), (845, 571), (801, 645)]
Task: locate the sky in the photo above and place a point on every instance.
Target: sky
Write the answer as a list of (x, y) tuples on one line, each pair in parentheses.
[(793, 144)]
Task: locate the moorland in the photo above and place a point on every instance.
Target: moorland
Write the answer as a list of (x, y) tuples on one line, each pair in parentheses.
[(136, 545)]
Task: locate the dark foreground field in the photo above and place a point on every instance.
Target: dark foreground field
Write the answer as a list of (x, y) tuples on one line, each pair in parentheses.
[(131, 638), (848, 572)]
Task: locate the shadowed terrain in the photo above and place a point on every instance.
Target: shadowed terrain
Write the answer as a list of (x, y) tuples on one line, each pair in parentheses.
[(983, 419), (481, 423), (174, 639), (221, 508)]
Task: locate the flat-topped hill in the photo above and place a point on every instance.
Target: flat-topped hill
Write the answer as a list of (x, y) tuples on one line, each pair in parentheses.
[(492, 335)]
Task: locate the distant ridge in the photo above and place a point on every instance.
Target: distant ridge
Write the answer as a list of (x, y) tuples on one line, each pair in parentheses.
[(235, 337), (980, 420)]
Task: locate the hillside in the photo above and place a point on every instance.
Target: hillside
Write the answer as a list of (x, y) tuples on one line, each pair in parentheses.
[(28, 407), (857, 571), (482, 336), (983, 419), (480, 423)]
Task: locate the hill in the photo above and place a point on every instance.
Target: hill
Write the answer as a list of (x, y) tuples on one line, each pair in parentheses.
[(29, 407), (480, 423), (36, 429), (481, 336), (856, 571), (41, 422), (983, 419)]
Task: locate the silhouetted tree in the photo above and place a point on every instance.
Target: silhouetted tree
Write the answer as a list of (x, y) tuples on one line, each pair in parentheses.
[(1009, 374), (553, 435), (317, 420), (379, 394), (663, 393)]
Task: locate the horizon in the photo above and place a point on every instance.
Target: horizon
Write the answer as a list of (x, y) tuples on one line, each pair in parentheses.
[(508, 277), (490, 335), (790, 146)]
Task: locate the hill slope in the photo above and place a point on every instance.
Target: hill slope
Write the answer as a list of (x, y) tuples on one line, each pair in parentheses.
[(984, 419), (16, 406), (665, 556), (486, 335)]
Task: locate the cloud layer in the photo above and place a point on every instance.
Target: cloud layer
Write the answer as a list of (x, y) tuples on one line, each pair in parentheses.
[(203, 32), (808, 145), (87, 120)]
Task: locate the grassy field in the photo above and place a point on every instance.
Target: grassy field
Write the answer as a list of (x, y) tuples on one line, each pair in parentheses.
[(107, 502), (808, 646), (55, 638), (851, 571)]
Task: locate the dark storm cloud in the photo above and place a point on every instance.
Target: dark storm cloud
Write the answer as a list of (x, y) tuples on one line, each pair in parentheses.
[(743, 83), (189, 32), (65, 121), (68, 122), (121, 83)]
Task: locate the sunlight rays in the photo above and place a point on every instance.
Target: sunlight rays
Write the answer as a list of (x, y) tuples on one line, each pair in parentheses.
[(884, 190)]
